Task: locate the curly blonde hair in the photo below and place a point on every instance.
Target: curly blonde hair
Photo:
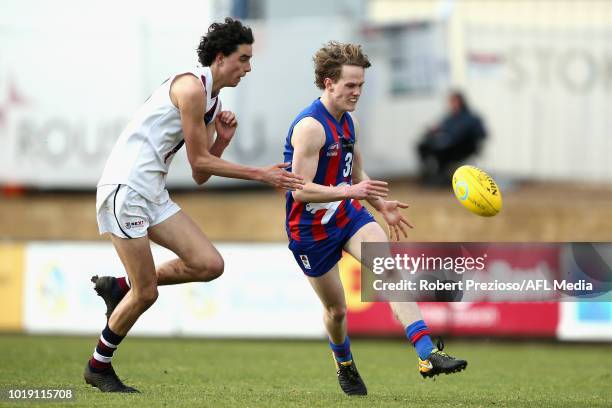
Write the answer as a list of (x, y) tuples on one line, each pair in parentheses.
[(329, 60)]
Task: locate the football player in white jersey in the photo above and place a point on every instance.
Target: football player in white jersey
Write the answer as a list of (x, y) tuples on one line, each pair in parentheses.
[(133, 204)]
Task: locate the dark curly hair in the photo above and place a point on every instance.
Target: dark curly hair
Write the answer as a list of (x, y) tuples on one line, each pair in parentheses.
[(223, 37)]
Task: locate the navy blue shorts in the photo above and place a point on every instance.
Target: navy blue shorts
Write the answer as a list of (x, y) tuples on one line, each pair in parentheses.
[(317, 258)]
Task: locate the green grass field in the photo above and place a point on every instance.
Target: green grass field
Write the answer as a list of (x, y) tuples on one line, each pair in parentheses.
[(196, 372)]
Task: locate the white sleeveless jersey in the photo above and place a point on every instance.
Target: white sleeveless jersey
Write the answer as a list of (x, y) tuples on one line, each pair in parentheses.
[(142, 155)]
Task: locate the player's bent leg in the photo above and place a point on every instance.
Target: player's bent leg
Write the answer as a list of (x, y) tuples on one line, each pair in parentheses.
[(328, 288), (331, 293), (198, 259), (432, 360), (135, 254), (405, 312)]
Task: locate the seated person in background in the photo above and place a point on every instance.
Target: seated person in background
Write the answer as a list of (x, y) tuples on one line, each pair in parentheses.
[(457, 137)]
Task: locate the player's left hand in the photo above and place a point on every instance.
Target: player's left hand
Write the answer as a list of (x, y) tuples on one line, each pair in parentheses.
[(225, 125), (390, 211)]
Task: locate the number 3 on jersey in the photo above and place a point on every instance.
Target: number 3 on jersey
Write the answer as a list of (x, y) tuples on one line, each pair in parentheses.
[(348, 168)]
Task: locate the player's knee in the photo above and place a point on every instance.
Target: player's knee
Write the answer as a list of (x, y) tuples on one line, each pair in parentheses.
[(336, 313), (216, 268), (150, 296), (146, 297), (208, 268)]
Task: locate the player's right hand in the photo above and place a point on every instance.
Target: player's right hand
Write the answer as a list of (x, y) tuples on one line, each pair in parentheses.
[(277, 176), (368, 189)]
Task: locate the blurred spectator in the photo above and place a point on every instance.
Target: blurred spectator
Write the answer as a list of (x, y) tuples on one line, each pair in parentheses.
[(458, 136)]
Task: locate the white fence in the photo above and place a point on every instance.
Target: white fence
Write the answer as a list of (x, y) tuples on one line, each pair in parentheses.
[(262, 293)]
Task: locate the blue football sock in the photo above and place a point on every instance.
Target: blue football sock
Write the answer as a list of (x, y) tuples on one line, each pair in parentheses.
[(342, 352), (418, 334)]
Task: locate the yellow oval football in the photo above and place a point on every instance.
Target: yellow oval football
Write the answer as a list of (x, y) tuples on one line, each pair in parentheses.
[(477, 191)]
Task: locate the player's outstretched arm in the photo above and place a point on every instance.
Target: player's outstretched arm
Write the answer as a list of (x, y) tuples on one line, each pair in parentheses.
[(186, 93), (308, 138)]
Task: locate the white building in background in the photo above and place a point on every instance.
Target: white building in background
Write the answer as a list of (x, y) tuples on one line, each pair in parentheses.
[(540, 73)]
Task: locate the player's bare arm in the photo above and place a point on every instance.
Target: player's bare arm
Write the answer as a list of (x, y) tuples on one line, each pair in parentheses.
[(308, 138), (187, 94), (388, 209), (223, 127)]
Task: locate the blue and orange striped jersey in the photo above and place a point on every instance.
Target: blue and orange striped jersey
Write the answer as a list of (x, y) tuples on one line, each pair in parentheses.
[(311, 222)]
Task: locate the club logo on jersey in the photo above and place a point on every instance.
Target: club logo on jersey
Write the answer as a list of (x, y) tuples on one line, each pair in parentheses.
[(305, 261), (333, 149)]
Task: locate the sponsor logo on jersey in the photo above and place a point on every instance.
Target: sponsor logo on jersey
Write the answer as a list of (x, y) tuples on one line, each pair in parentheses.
[(333, 149), (134, 224)]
